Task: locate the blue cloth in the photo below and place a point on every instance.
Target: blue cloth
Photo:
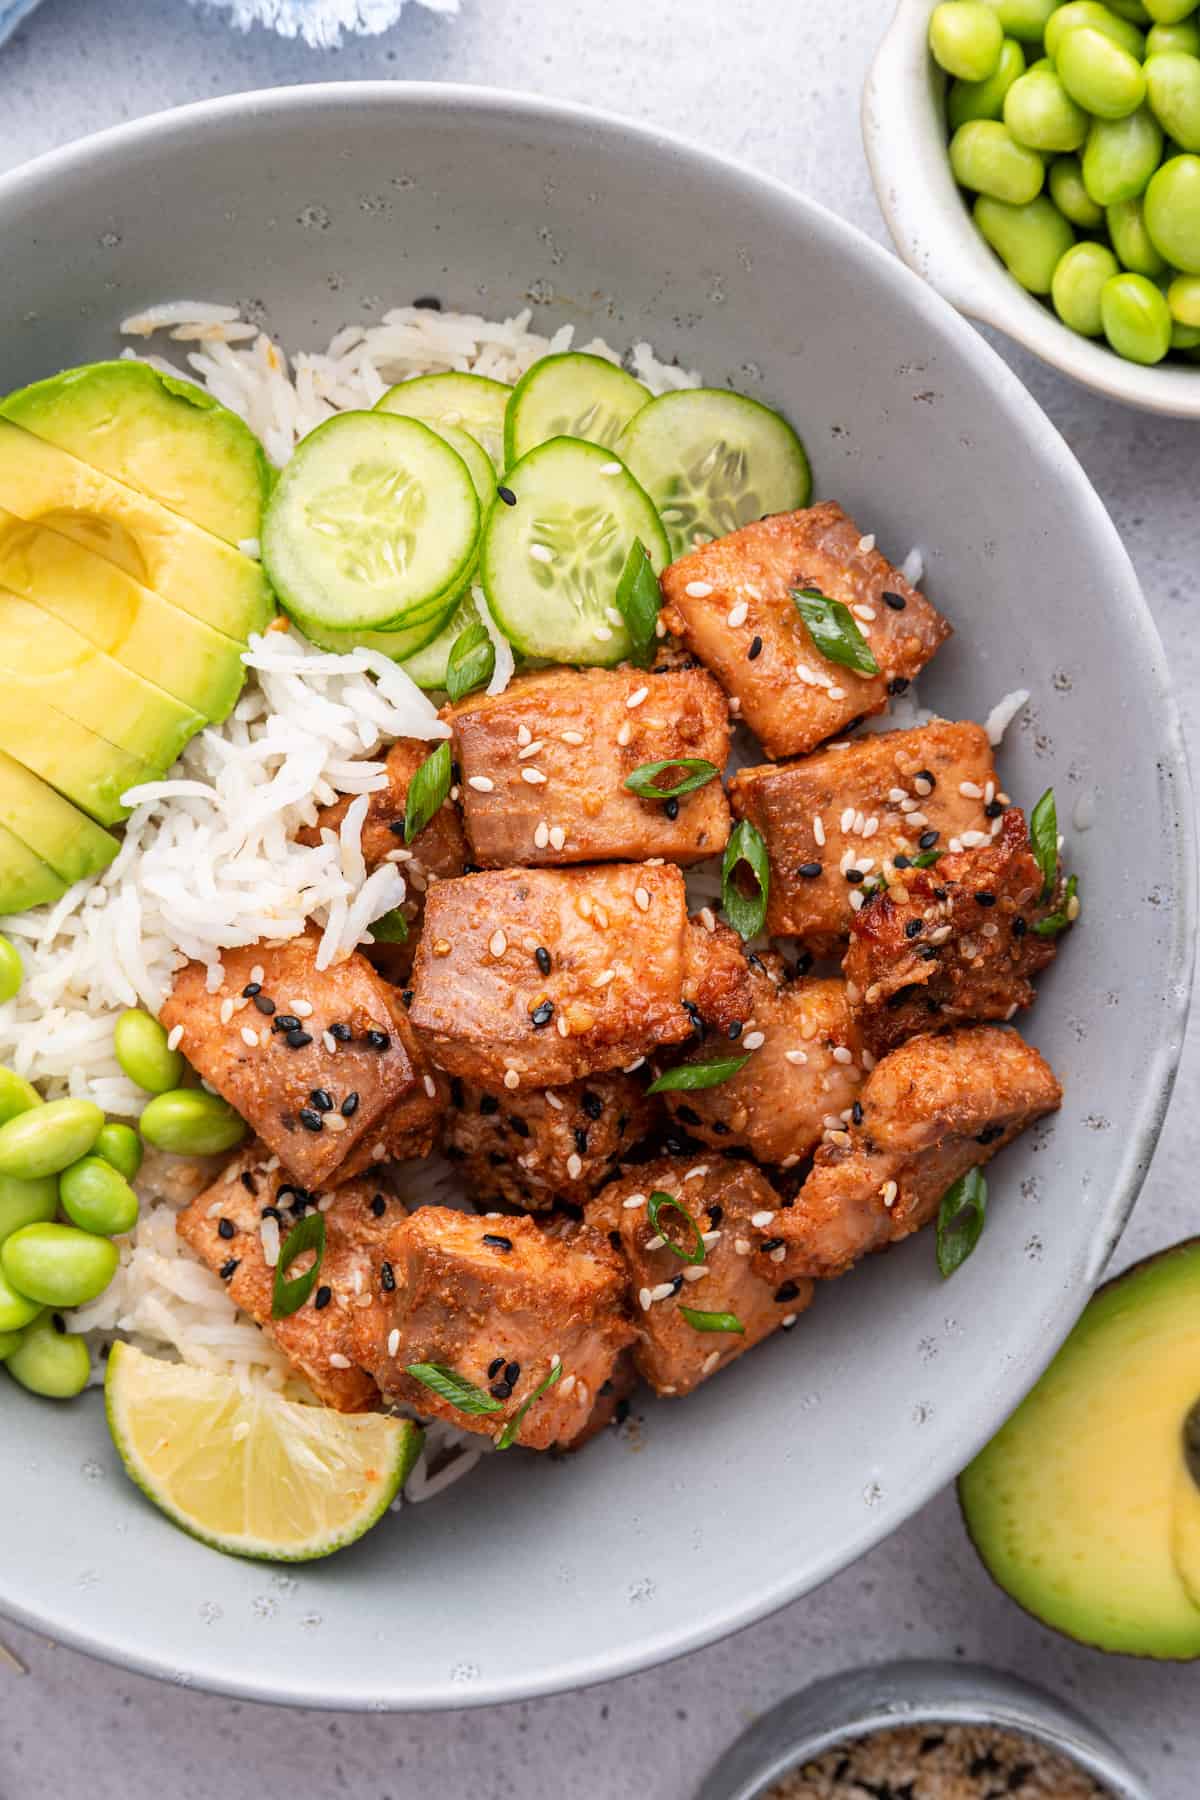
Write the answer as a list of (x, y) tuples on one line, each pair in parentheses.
[(320, 23)]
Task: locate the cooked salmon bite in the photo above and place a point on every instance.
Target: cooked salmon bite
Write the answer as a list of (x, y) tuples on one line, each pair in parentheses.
[(538, 977), (718, 1211), (544, 767), (732, 604), (837, 820), (313, 1059), (953, 943), (502, 1304), (538, 1147), (933, 1109)]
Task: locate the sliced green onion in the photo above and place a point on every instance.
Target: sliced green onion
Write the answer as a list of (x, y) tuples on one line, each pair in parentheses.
[(509, 1435), (390, 928), (1043, 835), (1058, 921), (687, 1077), (926, 859), (289, 1296), (660, 1203), (449, 1385), (643, 781), (711, 1321), (426, 791), (960, 1220), (832, 629), (471, 662), (745, 913), (638, 600)]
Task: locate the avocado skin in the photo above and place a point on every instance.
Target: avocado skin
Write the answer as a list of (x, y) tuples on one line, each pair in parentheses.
[(1173, 1259)]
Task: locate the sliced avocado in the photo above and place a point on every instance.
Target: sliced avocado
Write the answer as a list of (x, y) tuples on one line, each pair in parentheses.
[(78, 762), (53, 662), (200, 573), (71, 843), (177, 652), (1085, 1506), (25, 880), (159, 434)]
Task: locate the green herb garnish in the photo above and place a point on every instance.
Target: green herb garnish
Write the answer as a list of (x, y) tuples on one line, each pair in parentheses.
[(471, 662), (746, 913), (960, 1220), (832, 629), (926, 859), (711, 1321), (1043, 835), (1058, 921), (426, 791), (509, 1435), (660, 1203), (390, 927), (289, 1296), (449, 1385), (638, 600), (643, 781), (687, 1077)]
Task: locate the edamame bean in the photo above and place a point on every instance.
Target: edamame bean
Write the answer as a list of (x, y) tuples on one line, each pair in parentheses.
[(121, 1146), (1137, 322), (1097, 18), (58, 1265), (1129, 238), (1120, 156), (1183, 298), (49, 1362), (1024, 19), (191, 1122), (26, 1203), (1185, 337), (1072, 199), (1172, 213), (1041, 114), (965, 37), (1103, 78), (141, 1046), (96, 1198), (48, 1138), (1171, 40), (985, 99), (1075, 290), (8, 1343), (12, 970), (1169, 12), (1130, 9), (987, 158), (16, 1095), (1173, 91), (16, 1309), (1030, 240)]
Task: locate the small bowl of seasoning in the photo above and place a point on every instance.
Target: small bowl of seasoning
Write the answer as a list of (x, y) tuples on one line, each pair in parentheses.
[(923, 1731)]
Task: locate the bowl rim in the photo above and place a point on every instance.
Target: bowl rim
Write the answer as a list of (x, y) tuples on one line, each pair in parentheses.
[(905, 140), (1132, 1159)]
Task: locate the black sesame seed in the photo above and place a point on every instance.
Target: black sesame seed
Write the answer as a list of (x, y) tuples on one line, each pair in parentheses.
[(494, 1367), (809, 870), (471, 868), (264, 1004), (928, 839), (406, 994), (676, 1283), (226, 1228), (378, 1040), (939, 893), (428, 303), (227, 1270), (926, 775), (59, 1323), (296, 1040), (927, 952), (755, 650), (854, 875), (249, 1183), (322, 1100), (520, 1126), (985, 899), (897, 602), (349, 1106), (716, 1213), (614, 1238), (591, 1103), (621, 1412), (311, 1119), (494, 1239), (455, 773), (507, 495), (541, 957), (497, 1159), (804, 963), (387, 1276), (688, 1114), (542, 1014), (789, 1291), (769, 1244), (501, 1390), (457, 1096), (856, 1113), (342, 1033), (755, 961), (898, 684), (671, 808), (735, 1029), (1020, 927), (272, 1212), (251, 988), (719, 1128), (297, 1193), (488, 1104), (322, 1297), (914, 928), (989, 1134), (993, 809), (286, 1022), (581, 1140), (512, 1373), (378, 1206), (397, 826), (901, 862)]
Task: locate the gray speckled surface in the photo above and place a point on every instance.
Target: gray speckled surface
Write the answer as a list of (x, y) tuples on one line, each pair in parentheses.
[(777, 86)]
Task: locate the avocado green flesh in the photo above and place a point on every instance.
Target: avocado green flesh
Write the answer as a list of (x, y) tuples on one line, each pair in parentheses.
[(163, 436), (179, 653), (25, 880), (50, 661), (79, 762), (1082, 1506), (185, 565), (73, 845)]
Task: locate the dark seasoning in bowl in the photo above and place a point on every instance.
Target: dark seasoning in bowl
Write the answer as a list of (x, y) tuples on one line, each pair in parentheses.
[(927, 1762)]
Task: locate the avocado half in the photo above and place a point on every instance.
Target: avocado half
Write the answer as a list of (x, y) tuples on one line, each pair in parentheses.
[(1085, 1506)]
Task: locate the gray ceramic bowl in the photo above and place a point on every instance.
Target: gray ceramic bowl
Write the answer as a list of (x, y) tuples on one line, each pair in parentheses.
[(536, 1576)]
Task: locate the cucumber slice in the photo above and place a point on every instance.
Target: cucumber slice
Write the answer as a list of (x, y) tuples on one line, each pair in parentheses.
[(428, 667), (475, 403), (399, 645), (712, 461), (479, 463), (371, 523), (551, 563), (573, 395)]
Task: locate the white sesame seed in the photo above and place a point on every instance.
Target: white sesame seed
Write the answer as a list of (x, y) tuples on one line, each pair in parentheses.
[(866, 544), (856, 901), (393, 1343), (1073, 907), (430, 1086), (818, 829), (644, 1298), (330, 1042), (837, 693), (258, 974), (778, 1255), (847, 820), (268, 1234), (970, 790), (698, 1173), (633, 1201), (917, 821), (971, 840), (708, 918), (760, 1220), (940, 935), (663, 1291), (709, 1238), (742, 1246), (572, 737), (523, 734), (710, 1362), (695, 1272), (574, 1166), (788, 1320), (512, 1078), (603, 978), (864, 612), (954, 845), (754, 1040), (737, 614), (897, 796), (698, 590), (655, 1243), (541, 553), (555, 1360), (561, 1026), (888, 1193), (799, 1057), (497, 943), (529, 750), (552, 1099), (226, 1015), (566, 1386), (636, 698), (841, 1054), (483, 784), (631, 1068), (334, 1121), (533, 776), (989, 930), (338, 1361), (602, 633), (613, 616), (558, 837), (868, 1061), (541, 836), (624, 733), (249, 1038), (175, 1037)]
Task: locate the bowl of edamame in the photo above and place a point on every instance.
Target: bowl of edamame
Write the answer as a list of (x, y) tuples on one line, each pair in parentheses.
[(1038, 163)]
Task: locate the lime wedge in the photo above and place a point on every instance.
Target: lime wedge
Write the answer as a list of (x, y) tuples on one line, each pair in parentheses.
[(247, 1472)]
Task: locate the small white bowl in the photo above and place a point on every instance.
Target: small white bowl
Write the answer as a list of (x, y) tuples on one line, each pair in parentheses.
[(904, 130)]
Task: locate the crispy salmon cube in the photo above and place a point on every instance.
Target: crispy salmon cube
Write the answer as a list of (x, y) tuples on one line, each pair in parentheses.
[(731, 602), (804, 1066), (730, 1207), (933, 1109), (837, 820), (952, 943), (611, 1405), (274, 1064), (236, 1226), (539, 1146), (503, 1304), (544, 766), (538, 977)]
